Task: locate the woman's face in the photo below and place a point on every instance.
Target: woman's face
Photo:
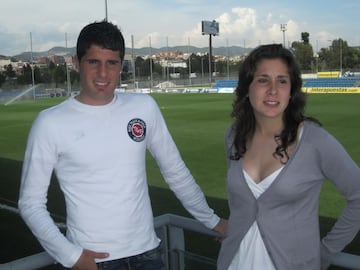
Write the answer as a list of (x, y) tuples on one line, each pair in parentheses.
[(269, 91)]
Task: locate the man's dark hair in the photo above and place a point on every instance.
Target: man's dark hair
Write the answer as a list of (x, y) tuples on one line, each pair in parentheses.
[(103, 34)]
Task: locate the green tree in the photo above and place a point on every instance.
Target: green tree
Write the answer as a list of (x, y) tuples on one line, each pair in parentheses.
[(37, 75), (59, 75), (305, 37), (74, 76), (139, 66), (199, 63), (26, 77), (46, 75), (9, 71), (351, 58), (145, 68), (157, 69), (339, 56), (2, 79), (303, 52)]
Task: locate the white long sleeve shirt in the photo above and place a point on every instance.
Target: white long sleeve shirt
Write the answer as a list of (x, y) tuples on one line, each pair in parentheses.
[(98, 156)]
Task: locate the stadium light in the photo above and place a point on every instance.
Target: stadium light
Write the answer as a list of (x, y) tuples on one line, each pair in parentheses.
[(283, 29), (210, 28), (106, 11)]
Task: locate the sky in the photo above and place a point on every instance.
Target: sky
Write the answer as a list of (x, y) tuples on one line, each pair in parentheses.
[(39, 25)]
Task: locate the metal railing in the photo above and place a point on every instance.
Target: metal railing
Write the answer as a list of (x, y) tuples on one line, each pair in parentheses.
[(170, 229)]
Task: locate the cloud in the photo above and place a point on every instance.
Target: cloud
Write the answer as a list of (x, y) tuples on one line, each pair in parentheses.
[(172, 22)]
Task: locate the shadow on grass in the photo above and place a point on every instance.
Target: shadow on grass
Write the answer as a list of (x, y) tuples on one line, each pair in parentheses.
[(17, 240)]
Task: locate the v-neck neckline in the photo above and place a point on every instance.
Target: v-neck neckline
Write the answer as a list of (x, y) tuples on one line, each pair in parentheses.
[(285, 166)]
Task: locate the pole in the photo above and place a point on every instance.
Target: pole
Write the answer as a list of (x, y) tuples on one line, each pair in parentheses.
[(67, 71), (167, 60), (32, 66), (133, 58), (340, 45), (106, 11), (317, 56), (227, 59), (189, 61), (283, 29), (150, 60), (210, 58), (202, 70)]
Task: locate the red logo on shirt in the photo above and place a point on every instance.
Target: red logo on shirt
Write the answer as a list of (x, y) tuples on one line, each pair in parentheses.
[(136, 129)]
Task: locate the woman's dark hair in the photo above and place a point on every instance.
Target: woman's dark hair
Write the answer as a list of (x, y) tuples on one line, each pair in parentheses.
[(243, 114), (103, 34)]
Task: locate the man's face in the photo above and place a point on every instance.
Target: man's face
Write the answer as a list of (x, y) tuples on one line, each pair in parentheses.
[(99, 75)]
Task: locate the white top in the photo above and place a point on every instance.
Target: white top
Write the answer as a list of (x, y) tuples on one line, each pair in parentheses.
[(252, 253), (98, 154)]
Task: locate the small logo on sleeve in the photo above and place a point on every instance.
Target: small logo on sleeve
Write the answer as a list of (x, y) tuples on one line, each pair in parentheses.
[(136, 129)]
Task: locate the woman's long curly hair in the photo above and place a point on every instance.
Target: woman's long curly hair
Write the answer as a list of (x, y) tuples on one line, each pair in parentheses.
[(243, 114)]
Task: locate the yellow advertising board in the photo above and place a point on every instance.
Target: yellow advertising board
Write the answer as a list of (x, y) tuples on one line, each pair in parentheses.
[(328, 74), (332, 90)]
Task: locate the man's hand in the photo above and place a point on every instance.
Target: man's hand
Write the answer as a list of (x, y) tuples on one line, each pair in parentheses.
[(87, 260), (221, 228)]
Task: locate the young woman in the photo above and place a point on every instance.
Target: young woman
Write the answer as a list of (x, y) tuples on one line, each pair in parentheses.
[(277, 160)]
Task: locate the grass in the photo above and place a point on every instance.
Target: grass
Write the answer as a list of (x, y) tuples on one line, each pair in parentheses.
[(197, 123)]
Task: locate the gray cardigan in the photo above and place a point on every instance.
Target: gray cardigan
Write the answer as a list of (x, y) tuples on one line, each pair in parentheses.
[(287, 212)]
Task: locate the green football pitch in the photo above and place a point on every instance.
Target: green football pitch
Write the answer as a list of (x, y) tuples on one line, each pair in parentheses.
[(197, 123)]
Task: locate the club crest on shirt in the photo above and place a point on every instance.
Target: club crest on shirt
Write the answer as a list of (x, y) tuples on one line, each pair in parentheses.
[(136, 129)]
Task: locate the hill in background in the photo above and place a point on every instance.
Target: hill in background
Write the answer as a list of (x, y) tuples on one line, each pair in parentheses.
[(226, 51)]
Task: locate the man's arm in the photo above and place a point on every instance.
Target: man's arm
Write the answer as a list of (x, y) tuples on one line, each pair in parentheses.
[(175, 172), (39, 161)]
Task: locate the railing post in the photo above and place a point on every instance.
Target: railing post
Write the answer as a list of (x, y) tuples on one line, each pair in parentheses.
[(176, 246), (162, 233)]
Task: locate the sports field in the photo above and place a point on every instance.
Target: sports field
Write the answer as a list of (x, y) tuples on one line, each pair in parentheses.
[(197, 123)]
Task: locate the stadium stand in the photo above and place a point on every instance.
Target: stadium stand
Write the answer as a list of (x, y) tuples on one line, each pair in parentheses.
[(225, 83), (331, 82), (225, 86), (228, 86), (310, 82)]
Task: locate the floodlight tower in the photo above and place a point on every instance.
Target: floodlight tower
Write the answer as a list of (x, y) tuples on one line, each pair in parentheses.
[(106, 11), (210, 28), (283, 29)]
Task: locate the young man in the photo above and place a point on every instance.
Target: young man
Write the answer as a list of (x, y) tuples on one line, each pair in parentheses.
[(96, 144)]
